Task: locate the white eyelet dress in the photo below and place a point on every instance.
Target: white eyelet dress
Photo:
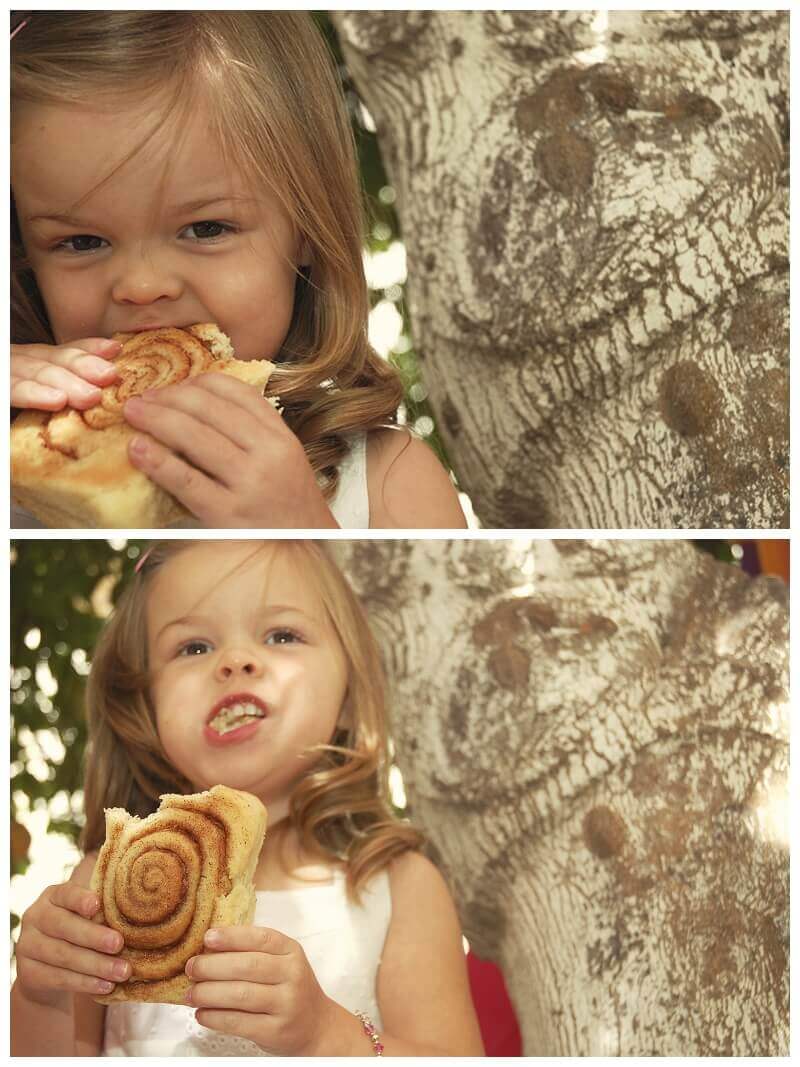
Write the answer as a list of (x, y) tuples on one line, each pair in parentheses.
[(342, 940), (350, 506)]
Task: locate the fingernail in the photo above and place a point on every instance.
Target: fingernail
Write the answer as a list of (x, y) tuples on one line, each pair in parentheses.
[(189, 966), (187, 999), (101, 366), (112, 346), (212, 937), (148, 394), (86, 391), (105, 987), (113, 942), (91, 905), (120, 970), (138, 447)]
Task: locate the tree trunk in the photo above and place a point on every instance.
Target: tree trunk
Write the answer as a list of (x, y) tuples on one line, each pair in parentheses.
[(595, 207), (595, 737)]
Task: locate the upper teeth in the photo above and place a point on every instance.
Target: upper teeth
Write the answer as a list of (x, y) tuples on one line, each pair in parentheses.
[(229, 715)]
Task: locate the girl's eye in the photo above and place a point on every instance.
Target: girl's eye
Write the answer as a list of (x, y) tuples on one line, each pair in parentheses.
[(81, 242), (282, 637), (194, 648), (209, 230)]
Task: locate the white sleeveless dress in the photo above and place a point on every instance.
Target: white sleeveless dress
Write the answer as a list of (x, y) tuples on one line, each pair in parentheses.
[(350, 506), (343, 942)]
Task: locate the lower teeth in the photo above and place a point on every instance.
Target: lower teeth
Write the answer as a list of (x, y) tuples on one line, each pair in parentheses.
[(226, 727)]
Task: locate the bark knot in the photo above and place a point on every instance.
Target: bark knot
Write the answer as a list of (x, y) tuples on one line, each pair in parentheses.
[(566, 162), (691, 401), (499, 630), (612, 91), (693, 106), (604, 832)]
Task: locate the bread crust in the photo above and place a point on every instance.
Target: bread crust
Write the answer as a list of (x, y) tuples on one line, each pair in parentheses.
[(164, 880), (71, 469)]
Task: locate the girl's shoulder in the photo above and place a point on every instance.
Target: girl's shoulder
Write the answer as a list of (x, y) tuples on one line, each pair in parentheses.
[(407, 484), (412, 877)]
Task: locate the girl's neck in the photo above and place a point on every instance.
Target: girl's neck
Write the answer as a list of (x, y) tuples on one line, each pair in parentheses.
[(284, 864)]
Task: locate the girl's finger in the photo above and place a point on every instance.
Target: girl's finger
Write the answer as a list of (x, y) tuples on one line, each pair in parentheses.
[(74, 898), (28, 394), (203, 497), (239, 1023), (234, 996), (69, 356), (247, 966), (84, 364), (204, 446), (246, 396), (248, 938), (217, 412), (104, 347), (80, 394), (43, 976), (77, 930), (63, 955), (99, 371)]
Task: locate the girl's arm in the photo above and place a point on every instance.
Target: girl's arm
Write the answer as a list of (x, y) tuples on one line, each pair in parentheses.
[(408, 486), (63, 1024), (423, 989)]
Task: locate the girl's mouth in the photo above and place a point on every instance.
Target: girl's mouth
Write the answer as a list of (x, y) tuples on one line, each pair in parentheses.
[(234, 719)]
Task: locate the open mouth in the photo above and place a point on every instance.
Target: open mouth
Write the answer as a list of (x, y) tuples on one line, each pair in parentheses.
[(231, 715)]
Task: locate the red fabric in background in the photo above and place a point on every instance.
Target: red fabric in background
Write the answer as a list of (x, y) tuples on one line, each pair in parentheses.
[(496, 1017)]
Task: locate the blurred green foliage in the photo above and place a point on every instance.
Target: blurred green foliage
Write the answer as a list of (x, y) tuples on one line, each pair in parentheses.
[(61, 591)]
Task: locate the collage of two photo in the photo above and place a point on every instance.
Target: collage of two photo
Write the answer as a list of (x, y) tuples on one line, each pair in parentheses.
[(399, 533)]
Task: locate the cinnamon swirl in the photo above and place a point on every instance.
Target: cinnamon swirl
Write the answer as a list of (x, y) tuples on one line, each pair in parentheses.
[(71, 469), (164, 880)]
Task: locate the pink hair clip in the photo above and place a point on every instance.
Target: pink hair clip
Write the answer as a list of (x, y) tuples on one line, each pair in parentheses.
[(21, 25), (142, 560)]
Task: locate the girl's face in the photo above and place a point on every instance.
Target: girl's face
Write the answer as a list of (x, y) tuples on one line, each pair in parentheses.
[(238, 625), (171, 239)]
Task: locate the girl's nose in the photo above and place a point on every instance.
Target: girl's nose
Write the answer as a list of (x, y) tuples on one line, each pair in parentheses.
[(233, 661), (143, 278)]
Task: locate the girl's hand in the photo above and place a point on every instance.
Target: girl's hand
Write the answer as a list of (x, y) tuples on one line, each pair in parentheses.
[(226, 454), (257, 984), (60, 950), (50, 377)]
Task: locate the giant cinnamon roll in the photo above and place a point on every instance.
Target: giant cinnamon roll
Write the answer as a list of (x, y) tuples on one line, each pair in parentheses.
[(164, 880), (70, 468)]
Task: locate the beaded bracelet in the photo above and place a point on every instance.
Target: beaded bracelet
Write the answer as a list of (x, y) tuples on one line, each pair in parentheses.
[(371, 1033)]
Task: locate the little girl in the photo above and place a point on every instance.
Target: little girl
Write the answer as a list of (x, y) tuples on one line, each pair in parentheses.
[(355, 932), (176, 167)]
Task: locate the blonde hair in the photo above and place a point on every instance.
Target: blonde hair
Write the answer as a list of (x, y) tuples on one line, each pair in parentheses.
[(278, 112), (340, 810)]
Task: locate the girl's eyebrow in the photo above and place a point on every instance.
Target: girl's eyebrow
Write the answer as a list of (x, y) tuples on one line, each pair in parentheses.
[(270, 609), (181, 209)]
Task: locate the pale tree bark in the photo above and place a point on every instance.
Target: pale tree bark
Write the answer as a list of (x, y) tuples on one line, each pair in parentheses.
[(595, 207), (595, 737)]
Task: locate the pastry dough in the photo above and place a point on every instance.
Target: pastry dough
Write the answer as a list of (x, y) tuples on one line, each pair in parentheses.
[(164, 880), (71, 469)]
